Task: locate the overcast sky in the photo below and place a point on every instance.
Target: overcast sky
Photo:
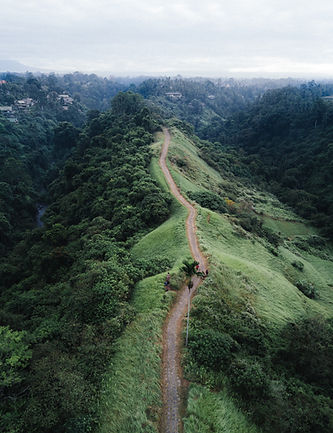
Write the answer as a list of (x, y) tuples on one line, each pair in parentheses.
[(168, 37)]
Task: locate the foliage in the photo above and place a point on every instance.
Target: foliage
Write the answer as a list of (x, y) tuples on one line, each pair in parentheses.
[(281, 138), (281, 379), (286, 136), (66, 287), (190, 269), (308, 352), (211, 348), (209, 200), (248, 299), (307, 288), (34, 141), (252, 224), (297, 264), (153, 266), (248, 379), (201, 104), (14, 356), (214, 411)]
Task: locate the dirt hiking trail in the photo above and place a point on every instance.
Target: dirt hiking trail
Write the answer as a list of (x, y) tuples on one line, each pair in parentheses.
[(172, 374)]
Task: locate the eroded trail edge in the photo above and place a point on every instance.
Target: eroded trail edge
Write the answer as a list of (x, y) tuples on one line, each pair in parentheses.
[(172, 374)]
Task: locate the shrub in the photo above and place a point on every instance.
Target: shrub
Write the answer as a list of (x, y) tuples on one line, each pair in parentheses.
[(208, 200), (316, 241), (250, 223), (153, 266), (248, 379), (302, 244), (298, 265), (212, 349), (272, 237), (273, 251), (309, 351), (307, 289)]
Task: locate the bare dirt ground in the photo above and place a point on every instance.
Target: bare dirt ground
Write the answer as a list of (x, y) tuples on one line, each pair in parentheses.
[(172, 373)]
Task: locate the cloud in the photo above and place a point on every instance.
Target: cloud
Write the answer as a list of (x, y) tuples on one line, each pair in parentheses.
[(154, 35)]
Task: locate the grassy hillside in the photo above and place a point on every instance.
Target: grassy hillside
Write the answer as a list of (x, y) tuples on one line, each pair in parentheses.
[(253, 279), (132, 397), (226, 243)]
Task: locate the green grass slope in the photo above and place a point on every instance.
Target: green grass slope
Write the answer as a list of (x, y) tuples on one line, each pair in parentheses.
[(132, 398), (214, 412), (276, 297), (248, 269)]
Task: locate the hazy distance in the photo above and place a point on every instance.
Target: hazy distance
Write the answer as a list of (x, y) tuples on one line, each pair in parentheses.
[(154, 37)]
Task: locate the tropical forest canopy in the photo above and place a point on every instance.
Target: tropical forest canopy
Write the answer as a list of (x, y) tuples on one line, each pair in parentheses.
[(65, 288)]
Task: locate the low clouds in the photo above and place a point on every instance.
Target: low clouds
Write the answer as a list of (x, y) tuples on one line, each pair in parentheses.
[(186, 36)]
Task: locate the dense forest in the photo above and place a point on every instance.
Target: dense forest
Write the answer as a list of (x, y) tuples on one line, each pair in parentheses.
[(65, 288), (285, 141)]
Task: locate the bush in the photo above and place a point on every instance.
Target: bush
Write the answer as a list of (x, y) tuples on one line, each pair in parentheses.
[(212, 349), (248, 379), (208, 200), (316, 241), (309, 351), (273, 251), (153, 266), (307, 289), (252, 224), (298, 265), (272, 237)]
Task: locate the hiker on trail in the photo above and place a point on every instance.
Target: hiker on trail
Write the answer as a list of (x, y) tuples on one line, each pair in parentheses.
[(197, 267), (167, 282)]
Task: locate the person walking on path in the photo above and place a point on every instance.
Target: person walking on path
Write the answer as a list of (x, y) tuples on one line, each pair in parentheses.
[(167, 282)]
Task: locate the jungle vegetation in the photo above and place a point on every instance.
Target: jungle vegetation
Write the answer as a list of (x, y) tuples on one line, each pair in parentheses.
[(65, 287)]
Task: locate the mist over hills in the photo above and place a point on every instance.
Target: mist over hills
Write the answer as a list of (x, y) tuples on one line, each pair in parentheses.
[(14, 66)]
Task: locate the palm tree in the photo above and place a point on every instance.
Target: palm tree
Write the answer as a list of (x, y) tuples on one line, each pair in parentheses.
[(189, 268)]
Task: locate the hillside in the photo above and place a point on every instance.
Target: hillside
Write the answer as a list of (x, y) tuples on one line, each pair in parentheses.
[(276, 135), (285, 140), (83, 303), (252, 306), (244, 317), (66, 287)]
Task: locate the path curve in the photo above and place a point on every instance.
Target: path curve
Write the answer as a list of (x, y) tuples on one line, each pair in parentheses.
[(172, 374)]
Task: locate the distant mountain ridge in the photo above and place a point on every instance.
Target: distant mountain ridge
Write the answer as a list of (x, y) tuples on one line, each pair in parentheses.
[(7, 65)]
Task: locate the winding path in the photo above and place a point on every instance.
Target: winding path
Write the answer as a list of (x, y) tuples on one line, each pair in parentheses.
[(172, 374)]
